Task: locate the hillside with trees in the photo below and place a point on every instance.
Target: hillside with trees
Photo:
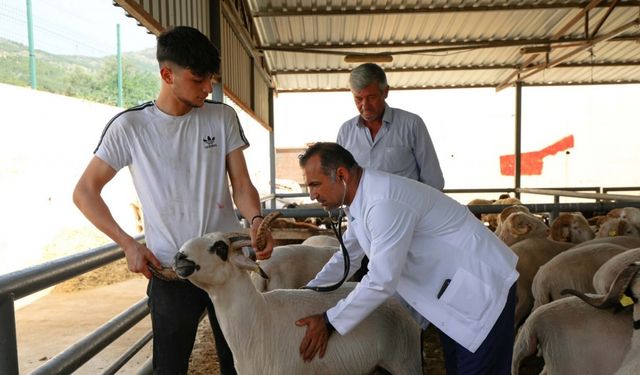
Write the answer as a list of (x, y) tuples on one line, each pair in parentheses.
[(94, 79)]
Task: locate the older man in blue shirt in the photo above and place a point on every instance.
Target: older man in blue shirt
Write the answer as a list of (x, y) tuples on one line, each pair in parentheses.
[(385, 138)]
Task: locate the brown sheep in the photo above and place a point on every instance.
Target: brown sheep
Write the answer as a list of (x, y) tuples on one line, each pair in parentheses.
[(504, 214), (617, 226), (521, 225), (532, 253), (492, 219), (632, 214), (571, 227)]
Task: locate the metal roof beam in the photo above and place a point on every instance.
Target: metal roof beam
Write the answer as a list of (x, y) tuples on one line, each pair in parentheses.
[(464, 8), (606, 64), (547, 65), (603, 19), (336, 49), (476, 86), (134, 9), (557, 35)]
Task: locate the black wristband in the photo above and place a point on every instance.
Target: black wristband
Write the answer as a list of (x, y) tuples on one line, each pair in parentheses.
[(327, 323), (255, 217)]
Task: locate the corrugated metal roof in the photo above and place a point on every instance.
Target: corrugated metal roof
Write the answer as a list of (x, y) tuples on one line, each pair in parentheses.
[(449, 43)]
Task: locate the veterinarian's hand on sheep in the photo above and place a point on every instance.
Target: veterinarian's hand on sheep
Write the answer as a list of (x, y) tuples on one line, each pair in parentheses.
[(316, 338), (138, 256)]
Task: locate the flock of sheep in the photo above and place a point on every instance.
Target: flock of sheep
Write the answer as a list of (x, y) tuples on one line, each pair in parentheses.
[(575, 257), (588, 259)]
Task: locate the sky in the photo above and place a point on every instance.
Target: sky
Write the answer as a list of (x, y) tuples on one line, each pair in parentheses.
[(73, 27)]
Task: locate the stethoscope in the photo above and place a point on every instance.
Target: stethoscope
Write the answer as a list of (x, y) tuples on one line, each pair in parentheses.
[(336, 225)]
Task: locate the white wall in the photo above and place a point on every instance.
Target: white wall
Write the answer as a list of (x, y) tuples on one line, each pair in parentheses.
[(46, 142), (471, 128)]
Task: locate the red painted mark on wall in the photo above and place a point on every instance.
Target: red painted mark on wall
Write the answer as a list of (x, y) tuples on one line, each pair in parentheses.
[(531, 162)]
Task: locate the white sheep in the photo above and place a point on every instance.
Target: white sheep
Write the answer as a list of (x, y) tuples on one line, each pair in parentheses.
[(292, 266), (573, 338), (574, 269), (626, 283), (322, 240), (603, 278), (260, 327)]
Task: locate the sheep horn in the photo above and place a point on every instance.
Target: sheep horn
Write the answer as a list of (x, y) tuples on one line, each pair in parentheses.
[(164, 273), (617, 289), (237, 239), (265, 225)]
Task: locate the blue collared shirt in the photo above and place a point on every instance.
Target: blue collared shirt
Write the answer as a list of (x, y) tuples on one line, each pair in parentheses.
[(402, 146)]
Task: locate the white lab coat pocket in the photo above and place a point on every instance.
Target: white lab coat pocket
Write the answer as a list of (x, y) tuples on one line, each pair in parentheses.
[(468, 295)]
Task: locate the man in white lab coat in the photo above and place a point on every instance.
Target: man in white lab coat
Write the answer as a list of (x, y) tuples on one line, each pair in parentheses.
[(424, 247)]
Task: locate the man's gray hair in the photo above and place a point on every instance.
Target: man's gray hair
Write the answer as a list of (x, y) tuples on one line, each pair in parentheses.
[(366, 74)]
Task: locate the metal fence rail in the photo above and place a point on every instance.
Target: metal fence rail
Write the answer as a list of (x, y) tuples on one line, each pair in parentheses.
[(79, 353), (16, 285)]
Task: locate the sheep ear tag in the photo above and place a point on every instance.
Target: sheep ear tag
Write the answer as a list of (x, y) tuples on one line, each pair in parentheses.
[(244, 263), (625, 300)]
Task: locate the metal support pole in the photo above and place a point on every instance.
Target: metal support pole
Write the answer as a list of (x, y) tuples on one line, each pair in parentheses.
[(119, 54), (553, 214), (32, 53), (215, 33), (8, 340), (272, 151), (518, 151)]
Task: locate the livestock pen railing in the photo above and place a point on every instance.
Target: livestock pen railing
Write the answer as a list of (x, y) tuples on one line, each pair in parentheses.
[(623, 200), (19, 284)]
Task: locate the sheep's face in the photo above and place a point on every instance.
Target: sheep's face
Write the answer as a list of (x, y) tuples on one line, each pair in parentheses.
[(203, 260), (210, 260)]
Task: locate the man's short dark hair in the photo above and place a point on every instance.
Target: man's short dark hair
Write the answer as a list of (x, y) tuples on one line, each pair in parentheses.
[(190, 49), (332, 156)]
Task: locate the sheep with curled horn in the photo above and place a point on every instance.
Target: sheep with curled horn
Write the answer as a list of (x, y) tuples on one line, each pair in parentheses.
[(626, 284), (575, 267), (573, 338), (260, 327), (572, 269)]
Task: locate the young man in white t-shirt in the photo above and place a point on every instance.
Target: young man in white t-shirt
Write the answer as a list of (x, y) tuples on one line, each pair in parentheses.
[(181, 150)]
